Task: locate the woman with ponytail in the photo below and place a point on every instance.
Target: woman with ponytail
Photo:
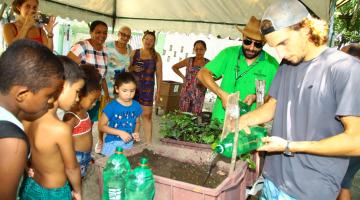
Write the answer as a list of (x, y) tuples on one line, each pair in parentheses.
[(146, 64)]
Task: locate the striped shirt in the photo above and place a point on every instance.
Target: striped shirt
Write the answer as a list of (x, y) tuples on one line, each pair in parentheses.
[(88, 55)]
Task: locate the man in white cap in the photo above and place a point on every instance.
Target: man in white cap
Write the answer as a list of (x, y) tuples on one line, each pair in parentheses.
[(239, 66), (314, 102)]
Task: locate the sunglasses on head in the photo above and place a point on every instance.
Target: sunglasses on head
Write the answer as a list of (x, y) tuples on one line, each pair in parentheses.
[(248, 42), (149, 32)]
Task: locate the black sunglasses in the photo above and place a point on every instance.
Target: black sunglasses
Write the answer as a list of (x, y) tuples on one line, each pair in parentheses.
[(256, 43)]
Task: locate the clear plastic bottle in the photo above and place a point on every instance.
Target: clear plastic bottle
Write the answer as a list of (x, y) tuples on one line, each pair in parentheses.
[(116, 168), (246, 142), (140, 184)]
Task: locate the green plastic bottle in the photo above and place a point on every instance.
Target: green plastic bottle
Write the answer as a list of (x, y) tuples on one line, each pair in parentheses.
[(246, 142), (244, 108), (140, 184), (116, 168)]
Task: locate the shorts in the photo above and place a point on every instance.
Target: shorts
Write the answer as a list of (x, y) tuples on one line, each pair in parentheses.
[(270, 191), (354, 166), (84, 159), (109, 147), (31, 190)]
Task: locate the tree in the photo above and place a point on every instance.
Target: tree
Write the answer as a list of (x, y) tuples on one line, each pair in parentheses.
[(347, 22)]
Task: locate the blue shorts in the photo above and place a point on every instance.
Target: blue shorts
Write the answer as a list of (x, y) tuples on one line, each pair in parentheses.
[(270, 191), (31, 190), (109, 147), (84, 159), (354, 166)]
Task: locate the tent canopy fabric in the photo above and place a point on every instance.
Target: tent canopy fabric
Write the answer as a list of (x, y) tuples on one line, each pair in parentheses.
[(217, 17)]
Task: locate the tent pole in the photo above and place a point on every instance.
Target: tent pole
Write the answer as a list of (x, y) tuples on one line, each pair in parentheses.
[(331, 34), (114, 16)]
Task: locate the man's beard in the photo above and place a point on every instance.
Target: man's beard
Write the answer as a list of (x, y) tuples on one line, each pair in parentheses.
[(250, 56)]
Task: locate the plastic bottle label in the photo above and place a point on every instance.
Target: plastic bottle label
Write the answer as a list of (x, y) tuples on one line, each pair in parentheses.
[(114, 194)]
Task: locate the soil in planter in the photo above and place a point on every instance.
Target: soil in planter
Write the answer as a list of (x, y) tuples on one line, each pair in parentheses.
[(185, 172)]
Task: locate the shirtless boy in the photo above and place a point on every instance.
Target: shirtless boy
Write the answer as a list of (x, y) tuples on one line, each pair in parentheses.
[(30, 75), (53, 157)]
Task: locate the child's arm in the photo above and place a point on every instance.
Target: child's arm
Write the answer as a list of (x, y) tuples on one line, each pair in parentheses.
[(13, 161), (102, 126), (137, 130), (67, 151)]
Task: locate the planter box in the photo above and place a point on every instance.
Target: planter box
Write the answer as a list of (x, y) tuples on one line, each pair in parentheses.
[(191, 145), (250, 176), (233, 187)]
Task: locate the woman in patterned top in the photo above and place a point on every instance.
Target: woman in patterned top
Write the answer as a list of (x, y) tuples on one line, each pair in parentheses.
[(93, 51), (193, 92), (146, 63)]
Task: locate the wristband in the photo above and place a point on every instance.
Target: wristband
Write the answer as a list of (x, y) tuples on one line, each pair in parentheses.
[(287, 150)]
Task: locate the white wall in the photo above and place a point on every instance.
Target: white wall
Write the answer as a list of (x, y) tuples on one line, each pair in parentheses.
[(180, 46)]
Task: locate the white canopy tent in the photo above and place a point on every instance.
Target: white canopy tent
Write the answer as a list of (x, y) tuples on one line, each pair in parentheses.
[(183, 21), (217, 17)]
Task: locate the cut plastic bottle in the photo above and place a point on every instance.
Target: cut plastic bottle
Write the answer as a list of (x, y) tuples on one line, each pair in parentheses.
[(246, 143), (116, 168), (140, 184)]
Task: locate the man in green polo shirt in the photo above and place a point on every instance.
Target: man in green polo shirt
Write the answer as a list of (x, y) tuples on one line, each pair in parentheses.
[(239, 67)]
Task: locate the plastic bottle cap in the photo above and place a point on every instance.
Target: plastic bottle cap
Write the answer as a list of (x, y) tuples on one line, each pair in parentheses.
[(119, 150), (219, 149), (143, 161)]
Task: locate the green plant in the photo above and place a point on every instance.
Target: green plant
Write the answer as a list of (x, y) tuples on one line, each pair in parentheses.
[(186, 127), (247, 158), (347, 22)]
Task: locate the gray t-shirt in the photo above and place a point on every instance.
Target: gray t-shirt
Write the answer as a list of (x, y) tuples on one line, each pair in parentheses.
[(310, 98)]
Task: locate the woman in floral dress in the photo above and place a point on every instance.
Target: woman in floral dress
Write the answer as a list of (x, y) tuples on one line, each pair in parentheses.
[(193, 92)]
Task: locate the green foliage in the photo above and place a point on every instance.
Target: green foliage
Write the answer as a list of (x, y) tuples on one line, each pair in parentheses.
[(347, 22), (248, 160), (186, 127)]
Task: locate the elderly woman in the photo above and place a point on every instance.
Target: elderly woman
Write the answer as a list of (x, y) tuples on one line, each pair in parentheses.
[(26, 27), (119, 56), (146, 63)]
